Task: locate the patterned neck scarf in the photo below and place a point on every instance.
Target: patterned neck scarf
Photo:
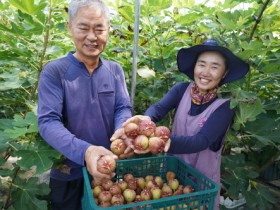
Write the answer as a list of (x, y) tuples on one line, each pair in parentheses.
[(201, 98)]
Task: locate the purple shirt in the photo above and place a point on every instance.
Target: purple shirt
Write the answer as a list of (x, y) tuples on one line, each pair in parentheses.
[(76, 109)]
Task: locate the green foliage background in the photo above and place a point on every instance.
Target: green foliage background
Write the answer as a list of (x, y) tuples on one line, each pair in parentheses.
[(32, 32)]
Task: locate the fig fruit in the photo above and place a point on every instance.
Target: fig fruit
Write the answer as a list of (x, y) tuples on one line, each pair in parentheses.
[(106, 164)]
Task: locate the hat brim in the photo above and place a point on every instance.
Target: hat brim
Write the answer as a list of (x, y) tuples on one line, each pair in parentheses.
[(186, 60)]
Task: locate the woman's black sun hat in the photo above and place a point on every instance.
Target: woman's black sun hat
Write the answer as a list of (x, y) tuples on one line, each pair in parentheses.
[(186, 60)]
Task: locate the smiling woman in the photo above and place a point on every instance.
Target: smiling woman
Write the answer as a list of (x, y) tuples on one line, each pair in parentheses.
[(201, 118)]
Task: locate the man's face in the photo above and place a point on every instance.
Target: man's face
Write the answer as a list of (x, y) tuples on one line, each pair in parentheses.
[(209, 70), (90, 31)]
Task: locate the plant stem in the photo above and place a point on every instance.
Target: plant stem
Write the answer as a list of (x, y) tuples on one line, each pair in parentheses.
[(7, 203), (46, 42), (258, 20)]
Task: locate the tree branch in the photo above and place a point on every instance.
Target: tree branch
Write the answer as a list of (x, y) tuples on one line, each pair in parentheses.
[(46, 42), (258, 19), (8, 201)]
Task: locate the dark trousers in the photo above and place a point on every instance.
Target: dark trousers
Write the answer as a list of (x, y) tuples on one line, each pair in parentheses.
[(66, 195)]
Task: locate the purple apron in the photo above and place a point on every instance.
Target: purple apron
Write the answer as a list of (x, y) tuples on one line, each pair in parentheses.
[(206, 161)]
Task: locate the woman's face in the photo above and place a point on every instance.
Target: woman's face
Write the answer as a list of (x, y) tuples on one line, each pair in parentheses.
[(90, 31), (210, 68)]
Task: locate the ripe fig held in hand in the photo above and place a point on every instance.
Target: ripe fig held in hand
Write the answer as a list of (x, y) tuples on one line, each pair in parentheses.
[(106, 164), (162, 132), (141, 142), (147, 128), (156, 145), (118, 146), (131, 130)]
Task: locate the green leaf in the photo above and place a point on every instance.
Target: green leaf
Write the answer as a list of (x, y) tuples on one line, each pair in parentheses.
[(271, 68), (10, 80), (250, 49), (183, 3), (248, 111), (29, 121), (5, 123), (5, 173), (31, 25), (27, 193), (192, 17), (127, 13), (40, 157), (227, 20), (259, 197), (265, 129), (160, 4), (22, 126), (27, 6)]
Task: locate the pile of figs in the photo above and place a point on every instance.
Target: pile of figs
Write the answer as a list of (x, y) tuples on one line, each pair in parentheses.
[(144, 137), (133, 189)]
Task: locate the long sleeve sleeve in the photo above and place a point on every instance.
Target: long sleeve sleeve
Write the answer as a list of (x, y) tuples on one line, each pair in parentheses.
[(51, 124), (169, 102), (210, 135)]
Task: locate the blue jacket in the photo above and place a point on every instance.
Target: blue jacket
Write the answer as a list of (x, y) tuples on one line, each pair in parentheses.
[(76, 110)]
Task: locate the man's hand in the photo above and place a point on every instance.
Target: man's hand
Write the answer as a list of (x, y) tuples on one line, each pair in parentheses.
[(93, 153)]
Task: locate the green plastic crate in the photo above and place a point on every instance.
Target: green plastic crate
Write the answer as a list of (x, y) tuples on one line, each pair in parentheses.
[(203, 197)]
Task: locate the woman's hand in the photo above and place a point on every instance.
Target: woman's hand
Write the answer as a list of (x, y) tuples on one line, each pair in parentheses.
[(140, 151), (136, 119), (167, 145), (130, 149), (119, 134)]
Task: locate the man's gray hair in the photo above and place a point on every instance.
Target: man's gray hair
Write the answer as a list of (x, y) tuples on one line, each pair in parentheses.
[(76, 5)]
